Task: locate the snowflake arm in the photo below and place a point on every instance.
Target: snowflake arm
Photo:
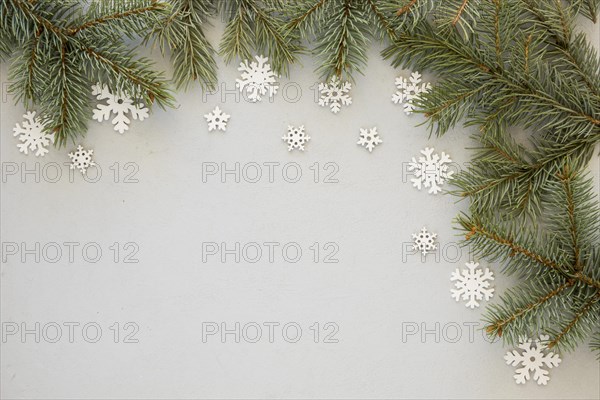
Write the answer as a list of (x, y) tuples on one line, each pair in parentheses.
[(521, 374), (102, 111), (139, 112), (532, 356)]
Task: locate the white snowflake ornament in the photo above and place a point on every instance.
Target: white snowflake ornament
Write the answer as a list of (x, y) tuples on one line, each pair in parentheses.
[(32, 135), (335, 94), (296, 138), (217, 120), (424, 241), (472, 284), (409, 90), (82, 159), (369, 138), (533, 357), (118, 104), (257, 79), (431, 170)]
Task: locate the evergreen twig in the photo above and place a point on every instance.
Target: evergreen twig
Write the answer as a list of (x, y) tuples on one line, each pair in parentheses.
[(520, 63), (342, 30), (258, 26), (61, 49)]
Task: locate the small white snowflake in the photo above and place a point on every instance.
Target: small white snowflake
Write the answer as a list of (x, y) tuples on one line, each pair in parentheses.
[(533, 357), (335, 94), (369, 138), (296, 138), (257, 79), (32, 135), (409, 90), (118, 104), (217, 120), (472, 284), (431, 171), (82, 159), (424, 241)]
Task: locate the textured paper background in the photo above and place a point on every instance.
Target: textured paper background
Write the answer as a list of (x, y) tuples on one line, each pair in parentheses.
[(375, 294)]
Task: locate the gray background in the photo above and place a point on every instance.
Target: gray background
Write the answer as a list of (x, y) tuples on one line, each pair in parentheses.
[(373, 294)]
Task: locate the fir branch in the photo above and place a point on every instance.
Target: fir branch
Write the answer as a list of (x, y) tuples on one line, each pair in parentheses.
[(409, 13), (61, 106), (459, 12), (489, 178), (501, 318), (406, 8), (589, 307), (128, 76), (519, 64), (574, 207), (127, 11), (343, 29), (28, 11), (511, 248), (560, 265), (62, 49), (272, 39), (7, 37), (191, 53), (237, 41), (27, 80), (385, 24), (459, 16), (580, 57), (587, 8), (547, 95), (342, 48), (257, 25), (572, 218), (303, 14)]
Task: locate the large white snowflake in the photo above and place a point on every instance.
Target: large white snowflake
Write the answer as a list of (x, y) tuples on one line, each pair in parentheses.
[(257, 79), (534, 355), (118, 104), (369, 138), (32, 135), (82, 159), (409, 90), (335, 94), (424, 241), (431, 170), (217, 120), (296, 138), (472, 284)]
